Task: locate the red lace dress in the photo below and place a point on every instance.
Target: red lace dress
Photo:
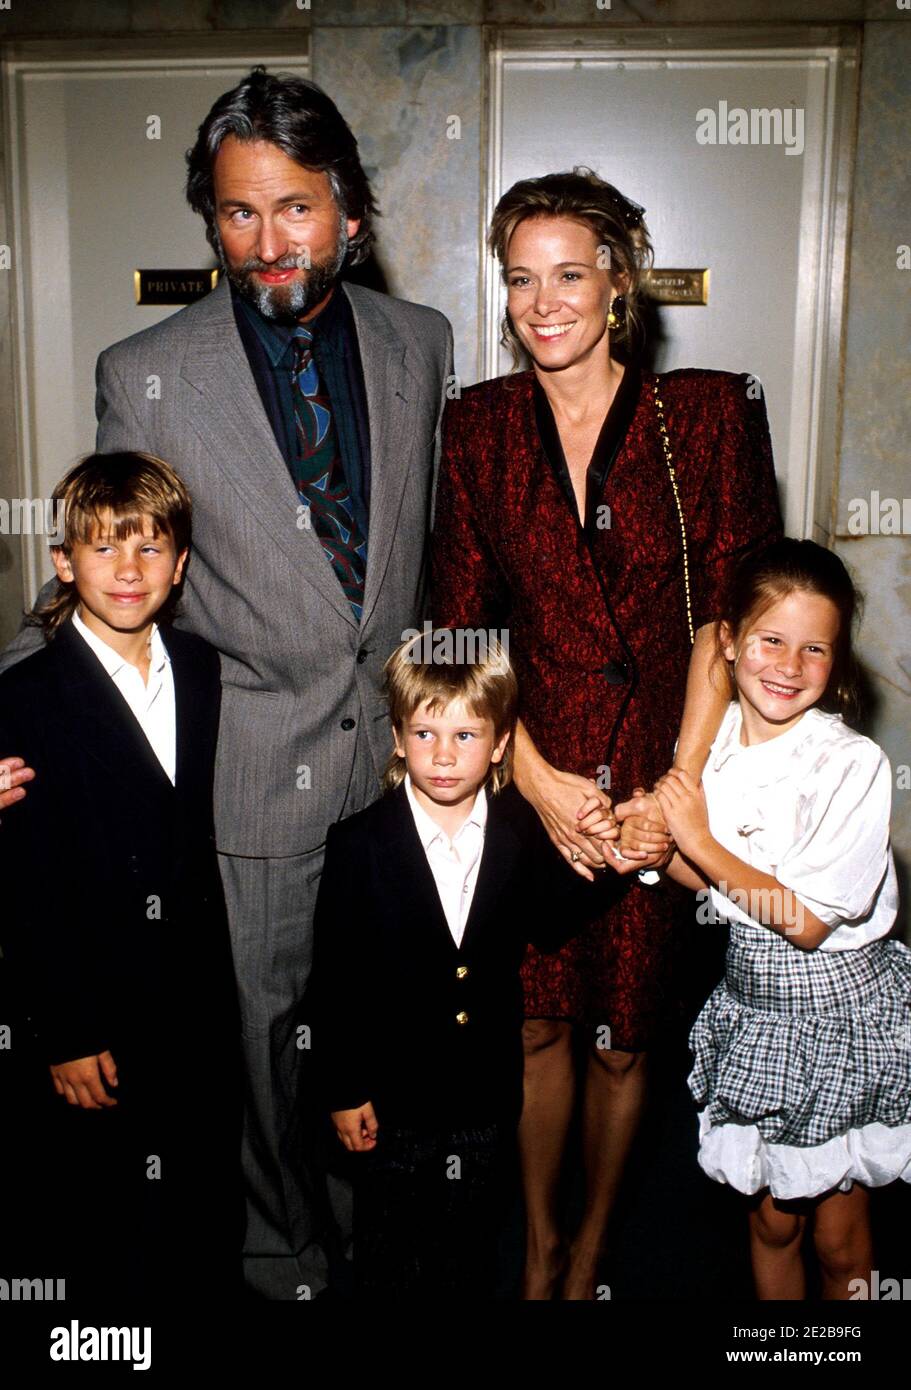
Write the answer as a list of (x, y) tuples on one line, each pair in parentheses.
[(596, 616)]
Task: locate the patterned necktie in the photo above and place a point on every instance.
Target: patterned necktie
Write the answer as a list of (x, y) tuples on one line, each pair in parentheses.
[(320, 476)]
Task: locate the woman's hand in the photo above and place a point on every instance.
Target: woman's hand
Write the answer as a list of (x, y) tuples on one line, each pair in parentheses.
[(682, 800), (579, 819)]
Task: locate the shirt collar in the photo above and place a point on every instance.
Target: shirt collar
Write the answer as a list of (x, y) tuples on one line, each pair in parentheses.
[(727, 743), (427, 828), (276, 337), (111, 660)]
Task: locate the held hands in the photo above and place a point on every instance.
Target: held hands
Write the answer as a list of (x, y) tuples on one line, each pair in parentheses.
[(356, 1128), (81, 1081), (583, 830), (644, 829), (682, 801)]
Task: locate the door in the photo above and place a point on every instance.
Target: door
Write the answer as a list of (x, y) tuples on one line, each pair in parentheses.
[(98, 171)]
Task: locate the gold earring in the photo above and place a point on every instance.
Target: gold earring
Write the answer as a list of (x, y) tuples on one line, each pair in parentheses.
[(612, 320)]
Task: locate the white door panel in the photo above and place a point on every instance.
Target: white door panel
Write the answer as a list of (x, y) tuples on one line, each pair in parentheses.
[(95, 199)]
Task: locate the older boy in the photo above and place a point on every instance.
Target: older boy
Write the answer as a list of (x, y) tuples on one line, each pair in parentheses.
[(114, 919)]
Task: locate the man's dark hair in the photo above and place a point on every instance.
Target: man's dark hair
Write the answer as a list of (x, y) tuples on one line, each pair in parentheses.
[(306, 125)]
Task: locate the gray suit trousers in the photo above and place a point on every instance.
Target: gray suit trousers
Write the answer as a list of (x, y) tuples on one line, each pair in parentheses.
[(291, 1201)]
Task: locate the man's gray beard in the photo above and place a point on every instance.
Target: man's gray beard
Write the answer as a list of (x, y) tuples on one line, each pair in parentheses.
[(287, 303)]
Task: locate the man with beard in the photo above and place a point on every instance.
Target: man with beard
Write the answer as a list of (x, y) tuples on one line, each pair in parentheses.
[(303, 413)]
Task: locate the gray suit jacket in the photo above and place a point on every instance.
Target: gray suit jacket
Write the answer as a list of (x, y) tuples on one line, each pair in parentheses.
[(304, 731)]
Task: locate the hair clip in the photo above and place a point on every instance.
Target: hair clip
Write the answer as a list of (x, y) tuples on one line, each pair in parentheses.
[(631, 212)]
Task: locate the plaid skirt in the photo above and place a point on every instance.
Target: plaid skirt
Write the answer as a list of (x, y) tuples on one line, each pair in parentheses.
[(802, 1068)]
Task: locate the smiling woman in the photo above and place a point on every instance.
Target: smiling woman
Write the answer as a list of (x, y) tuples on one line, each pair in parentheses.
[(596, 511)]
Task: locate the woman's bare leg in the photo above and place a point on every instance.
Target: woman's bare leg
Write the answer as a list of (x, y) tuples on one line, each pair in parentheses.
[(546, 1113), (844, 1244), (615, 1092), (776, 1231)]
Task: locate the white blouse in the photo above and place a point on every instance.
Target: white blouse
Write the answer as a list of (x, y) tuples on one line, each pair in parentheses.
[(810, 807)]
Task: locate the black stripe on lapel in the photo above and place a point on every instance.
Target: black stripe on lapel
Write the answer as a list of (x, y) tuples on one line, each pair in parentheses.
[(104, 723)]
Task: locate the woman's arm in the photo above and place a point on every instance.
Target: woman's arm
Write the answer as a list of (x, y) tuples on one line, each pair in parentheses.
[(469, 590), (737, 503), (558, 798), (707, 696)]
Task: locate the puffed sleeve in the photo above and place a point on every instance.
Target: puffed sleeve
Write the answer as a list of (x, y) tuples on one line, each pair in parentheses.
[(841, 856), (467, 585), (738, 497)]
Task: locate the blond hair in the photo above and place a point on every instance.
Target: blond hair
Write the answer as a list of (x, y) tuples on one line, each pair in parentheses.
[(132, 488), (487, 687), (615, 221)]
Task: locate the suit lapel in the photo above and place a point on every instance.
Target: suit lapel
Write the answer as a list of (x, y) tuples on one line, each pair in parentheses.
[(392, 392), (502, 848), (215, 365), (188, 709), (103, 722), (407, 864)]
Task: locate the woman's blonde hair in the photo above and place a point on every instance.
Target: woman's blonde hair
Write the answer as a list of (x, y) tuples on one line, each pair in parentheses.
[(415, 674), (617, 225), (130, 489)]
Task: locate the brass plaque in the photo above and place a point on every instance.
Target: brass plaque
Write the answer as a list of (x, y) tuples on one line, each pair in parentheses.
[(678, 286), (173, 286)]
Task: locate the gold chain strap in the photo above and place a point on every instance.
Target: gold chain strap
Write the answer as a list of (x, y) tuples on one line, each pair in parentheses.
[(668, 459)]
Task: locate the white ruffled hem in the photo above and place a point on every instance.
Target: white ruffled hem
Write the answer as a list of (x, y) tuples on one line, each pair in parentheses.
[(874, 1154)]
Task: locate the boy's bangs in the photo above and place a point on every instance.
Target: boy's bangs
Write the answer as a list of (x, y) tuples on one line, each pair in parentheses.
[(87, 526)]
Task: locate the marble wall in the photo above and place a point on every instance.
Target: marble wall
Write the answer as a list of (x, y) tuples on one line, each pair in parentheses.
[(876, 422), (400, 69)]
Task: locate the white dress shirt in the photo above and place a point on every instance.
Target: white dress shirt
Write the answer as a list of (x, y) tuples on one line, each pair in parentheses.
[(810, 807), (454, 863), (153, 705)]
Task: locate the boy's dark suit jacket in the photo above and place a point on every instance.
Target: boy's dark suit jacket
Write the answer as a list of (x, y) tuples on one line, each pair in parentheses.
[(113, 902), (429, 1032), (115, 935)]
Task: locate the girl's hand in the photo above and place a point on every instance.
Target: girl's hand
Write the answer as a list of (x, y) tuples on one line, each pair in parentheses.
[(643, 826), (601, 825), (356, 1128), (682, 800)]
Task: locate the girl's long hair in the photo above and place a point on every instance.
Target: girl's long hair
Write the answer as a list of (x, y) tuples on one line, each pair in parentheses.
[(790, 566)]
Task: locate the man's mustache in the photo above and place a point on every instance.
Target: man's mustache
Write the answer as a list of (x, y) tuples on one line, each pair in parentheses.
[(287, 263)]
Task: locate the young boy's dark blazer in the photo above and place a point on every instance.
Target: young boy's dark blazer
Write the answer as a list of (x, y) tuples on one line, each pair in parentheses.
[(113, 902), (429, 1032), (116, 939)]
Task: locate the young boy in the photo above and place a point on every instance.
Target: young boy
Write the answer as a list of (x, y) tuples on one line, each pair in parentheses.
[(426, 904), (114, 924)]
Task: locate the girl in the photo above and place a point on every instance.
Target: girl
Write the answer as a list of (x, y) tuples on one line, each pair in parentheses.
[(803, 1052)]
